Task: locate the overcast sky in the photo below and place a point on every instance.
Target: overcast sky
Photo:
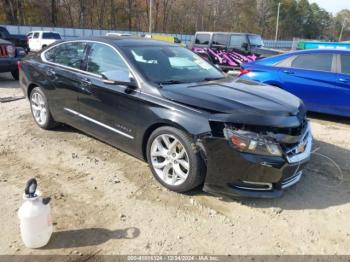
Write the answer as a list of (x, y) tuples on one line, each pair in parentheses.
[(333, 6)]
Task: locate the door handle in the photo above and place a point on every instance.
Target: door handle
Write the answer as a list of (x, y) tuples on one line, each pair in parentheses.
[(85, 82), (51, 73), (288, 72), (343, 80)]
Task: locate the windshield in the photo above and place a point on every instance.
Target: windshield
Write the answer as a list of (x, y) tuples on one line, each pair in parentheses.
[(51, 36), (255, 40), (171, 64)]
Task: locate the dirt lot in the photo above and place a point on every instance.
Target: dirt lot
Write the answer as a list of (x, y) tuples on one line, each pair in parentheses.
[(107, 202)]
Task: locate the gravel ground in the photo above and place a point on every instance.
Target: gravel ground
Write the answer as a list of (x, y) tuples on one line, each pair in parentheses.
[(107, 202)]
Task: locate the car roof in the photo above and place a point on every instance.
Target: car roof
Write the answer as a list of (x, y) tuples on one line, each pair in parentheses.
[(225, 33), (320, 51), (49, 32), (125, 41), (277, 58)]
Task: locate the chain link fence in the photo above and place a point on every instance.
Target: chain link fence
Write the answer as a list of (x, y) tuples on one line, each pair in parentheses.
[(72, 33)]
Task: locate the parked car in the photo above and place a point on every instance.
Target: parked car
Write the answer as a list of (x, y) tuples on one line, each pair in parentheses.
[(230, 50), (164, 104), (40, 39), (9, 56), (16, 40), (321, 78), (166, 38), (117, 34)]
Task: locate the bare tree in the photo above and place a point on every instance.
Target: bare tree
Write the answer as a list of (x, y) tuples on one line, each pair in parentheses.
[(264, 14), (82, 13), (10, 7)]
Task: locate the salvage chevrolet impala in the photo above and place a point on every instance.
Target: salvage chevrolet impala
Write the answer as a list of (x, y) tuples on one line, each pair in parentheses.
[(166, 105)]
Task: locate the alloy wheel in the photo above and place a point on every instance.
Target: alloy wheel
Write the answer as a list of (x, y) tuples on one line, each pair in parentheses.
[(170, 160), (39, 108)]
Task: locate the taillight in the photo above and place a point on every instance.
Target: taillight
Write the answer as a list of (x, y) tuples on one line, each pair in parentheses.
[(244, 72), (11, 50), (19, 65)]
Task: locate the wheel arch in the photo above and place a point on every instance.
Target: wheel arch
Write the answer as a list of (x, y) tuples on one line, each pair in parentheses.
[(155, 126), (30, 89)]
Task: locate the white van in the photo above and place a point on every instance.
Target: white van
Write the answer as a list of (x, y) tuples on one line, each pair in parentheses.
[(38, 40)]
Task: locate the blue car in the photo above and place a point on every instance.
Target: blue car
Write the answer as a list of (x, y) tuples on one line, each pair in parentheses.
[(321, 78)]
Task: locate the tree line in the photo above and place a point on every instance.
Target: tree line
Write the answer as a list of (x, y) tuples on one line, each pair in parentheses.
[(298, 18)]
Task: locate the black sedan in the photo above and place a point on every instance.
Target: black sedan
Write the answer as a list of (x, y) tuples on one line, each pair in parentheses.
[(164, 104)]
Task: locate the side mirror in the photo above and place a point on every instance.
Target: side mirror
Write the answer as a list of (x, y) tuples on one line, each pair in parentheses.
[(119, 77)]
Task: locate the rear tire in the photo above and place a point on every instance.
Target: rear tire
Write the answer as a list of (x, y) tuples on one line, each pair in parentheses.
[(15, 74), (40, 109), (174, 160)]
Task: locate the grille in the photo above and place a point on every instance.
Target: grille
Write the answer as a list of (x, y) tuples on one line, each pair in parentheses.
[(3, 51), (293, 149)]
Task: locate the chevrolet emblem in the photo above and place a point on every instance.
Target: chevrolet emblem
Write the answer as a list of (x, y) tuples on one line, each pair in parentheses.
[(301, 148)]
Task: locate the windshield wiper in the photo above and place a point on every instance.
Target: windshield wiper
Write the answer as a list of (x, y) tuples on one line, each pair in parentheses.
[(212, 78), (171, 82)]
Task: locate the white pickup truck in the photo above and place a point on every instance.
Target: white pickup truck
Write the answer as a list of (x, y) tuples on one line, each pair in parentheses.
[(38, 40)]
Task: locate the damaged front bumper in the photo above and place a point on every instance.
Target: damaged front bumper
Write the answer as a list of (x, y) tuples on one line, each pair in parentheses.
[(241, 174)]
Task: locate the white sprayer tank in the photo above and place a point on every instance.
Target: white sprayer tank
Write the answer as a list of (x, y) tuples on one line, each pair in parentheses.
[(35, 217)]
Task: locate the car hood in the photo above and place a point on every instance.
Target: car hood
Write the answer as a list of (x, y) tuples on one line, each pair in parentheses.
[(266, 52), (4, 42), (231, 96)]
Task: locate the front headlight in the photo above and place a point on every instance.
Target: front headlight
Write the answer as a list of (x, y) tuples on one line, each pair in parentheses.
[(250, 142)]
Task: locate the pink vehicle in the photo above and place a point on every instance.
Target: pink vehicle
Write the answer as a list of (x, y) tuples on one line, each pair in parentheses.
[(230, 50)]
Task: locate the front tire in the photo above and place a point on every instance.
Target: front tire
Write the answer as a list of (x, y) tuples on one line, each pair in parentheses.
[(174, 160), (40, 109)]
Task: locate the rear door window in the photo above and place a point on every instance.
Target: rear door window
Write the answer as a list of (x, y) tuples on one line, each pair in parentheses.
[(237, 41), (67, 54), (345, 64), (51, 36), (220, 40), (105, 60), (202, 39), (317, 62)]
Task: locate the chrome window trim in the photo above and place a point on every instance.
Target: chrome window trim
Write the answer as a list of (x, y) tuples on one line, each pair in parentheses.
[(98, 123), (269, 186), (86, 72)]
